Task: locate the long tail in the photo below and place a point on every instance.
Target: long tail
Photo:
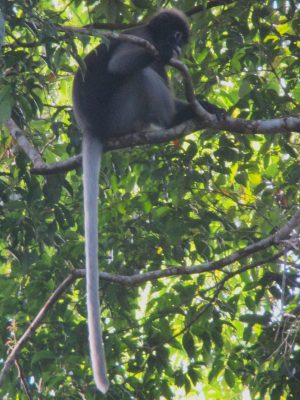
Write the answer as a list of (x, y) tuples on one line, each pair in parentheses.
[(92, 154)]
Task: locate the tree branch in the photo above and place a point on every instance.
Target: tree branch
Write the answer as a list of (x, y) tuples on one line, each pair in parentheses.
[(266, 127), (274, 239), (19, 135)]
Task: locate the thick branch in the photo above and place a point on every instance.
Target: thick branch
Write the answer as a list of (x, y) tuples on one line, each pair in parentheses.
[(265, 127), (288, 124), (20, 137), (240, 126)]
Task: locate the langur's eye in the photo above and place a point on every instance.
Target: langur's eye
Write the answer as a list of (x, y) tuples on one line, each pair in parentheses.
[(178, 36)]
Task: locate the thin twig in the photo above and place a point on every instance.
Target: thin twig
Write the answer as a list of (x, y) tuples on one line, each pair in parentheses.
[(23, 379)]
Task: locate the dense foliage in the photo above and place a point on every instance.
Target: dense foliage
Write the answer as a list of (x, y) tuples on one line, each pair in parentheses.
[(216, 334)]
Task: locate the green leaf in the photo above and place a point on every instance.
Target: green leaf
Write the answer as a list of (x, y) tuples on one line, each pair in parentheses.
[(42, 355), (6, 103), (189, 344), (229, 377)]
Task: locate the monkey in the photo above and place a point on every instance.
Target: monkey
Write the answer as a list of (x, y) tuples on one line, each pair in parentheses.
[(123, 89)]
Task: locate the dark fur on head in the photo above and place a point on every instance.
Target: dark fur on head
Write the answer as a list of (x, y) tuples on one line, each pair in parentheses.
[(169, 20)]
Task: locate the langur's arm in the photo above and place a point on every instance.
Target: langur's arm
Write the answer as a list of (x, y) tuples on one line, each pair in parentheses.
[(128, 59)]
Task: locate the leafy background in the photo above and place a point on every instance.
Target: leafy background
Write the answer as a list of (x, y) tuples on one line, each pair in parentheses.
[(176, 204)]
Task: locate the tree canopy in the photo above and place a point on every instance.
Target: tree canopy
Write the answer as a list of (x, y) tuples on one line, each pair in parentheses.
[(199, 226)]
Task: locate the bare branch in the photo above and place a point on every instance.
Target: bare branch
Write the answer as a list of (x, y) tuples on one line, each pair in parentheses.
[(265, 127), (288, 124), (241, 126), (59, 167), (274, 239)]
